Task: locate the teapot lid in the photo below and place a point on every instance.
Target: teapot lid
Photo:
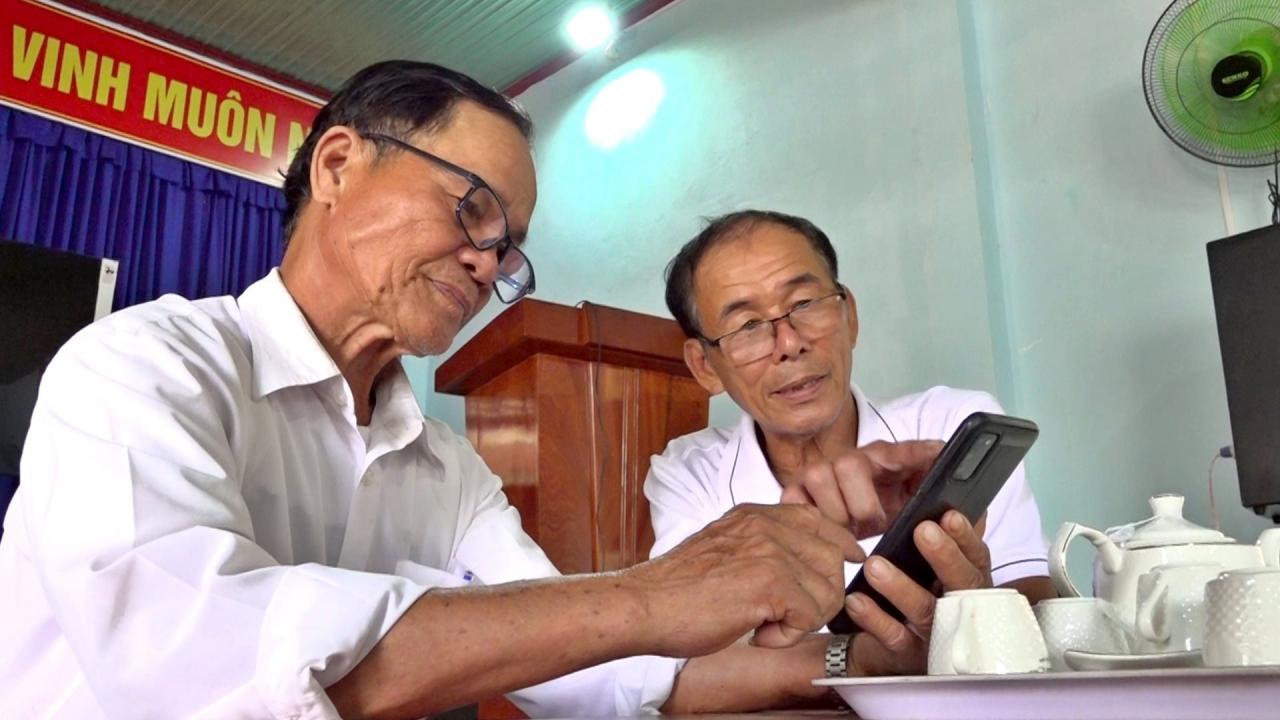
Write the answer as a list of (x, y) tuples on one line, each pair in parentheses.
[(1166, 527)]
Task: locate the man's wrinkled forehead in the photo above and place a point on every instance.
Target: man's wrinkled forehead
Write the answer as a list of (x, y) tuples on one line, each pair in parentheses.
[(492, 147), (755, 259)]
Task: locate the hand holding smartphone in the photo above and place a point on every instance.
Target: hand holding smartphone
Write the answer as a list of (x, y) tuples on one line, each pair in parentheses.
[(969, 472)]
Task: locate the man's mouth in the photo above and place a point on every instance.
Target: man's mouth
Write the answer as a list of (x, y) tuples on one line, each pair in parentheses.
[(455, 295), (802, 388)]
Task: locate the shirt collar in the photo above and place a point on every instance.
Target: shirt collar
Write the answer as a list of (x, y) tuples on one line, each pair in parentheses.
[(397, 417), (286, 352), (745, 470)]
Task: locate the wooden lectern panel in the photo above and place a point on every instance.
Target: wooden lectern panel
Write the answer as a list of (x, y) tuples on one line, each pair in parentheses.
[(567, 405), (571, 440)]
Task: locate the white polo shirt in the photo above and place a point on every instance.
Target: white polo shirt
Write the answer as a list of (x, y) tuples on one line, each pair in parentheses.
[(700, 476), (202, 530)]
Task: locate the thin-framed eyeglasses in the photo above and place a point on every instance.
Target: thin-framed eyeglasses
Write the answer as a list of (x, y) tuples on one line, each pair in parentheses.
[(483, 218), (756, 339)]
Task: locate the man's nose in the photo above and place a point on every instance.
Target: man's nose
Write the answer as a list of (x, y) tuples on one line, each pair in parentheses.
[(787, 343), (481, 265)]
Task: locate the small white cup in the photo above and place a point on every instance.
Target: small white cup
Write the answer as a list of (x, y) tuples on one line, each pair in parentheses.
[(1242, 618), (1080, 623), (985, 632), (1170, 615)]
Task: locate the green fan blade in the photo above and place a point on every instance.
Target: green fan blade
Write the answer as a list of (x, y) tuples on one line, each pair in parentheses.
[(1191, 40)]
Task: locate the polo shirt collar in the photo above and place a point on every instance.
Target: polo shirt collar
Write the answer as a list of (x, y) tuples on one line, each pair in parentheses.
[(745, 470)]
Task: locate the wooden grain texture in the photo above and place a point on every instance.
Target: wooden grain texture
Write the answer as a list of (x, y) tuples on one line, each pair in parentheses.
[(592, 332), (567, 406)]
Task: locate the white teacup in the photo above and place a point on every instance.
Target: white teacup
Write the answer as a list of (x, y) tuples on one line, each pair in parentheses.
[(1080, 623), (985, 632), (1170, 616), (1242, 618)]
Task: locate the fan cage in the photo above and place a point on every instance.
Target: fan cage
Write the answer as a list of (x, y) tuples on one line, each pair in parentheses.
[(1158, 101)]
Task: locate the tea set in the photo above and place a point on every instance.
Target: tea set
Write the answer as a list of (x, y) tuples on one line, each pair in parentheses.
[(1167, 593)]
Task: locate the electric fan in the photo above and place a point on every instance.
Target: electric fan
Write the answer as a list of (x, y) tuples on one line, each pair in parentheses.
[(1211, 74)]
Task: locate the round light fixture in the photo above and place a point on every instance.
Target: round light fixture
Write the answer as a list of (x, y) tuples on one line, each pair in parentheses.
[(590, 27)]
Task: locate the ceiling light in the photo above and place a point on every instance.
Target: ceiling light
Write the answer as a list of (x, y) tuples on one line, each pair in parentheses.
[(590, 27)]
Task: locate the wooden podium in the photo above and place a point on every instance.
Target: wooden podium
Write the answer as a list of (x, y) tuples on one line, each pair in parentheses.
[(566, 405)]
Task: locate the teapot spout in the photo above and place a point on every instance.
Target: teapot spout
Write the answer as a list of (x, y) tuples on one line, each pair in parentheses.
[(1110, 557)]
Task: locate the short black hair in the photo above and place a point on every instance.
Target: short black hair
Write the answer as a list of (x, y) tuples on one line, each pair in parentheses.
[(397, 98), (681, 270)]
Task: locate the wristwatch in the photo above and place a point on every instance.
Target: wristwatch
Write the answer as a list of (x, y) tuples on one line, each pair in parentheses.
[(838, 656)]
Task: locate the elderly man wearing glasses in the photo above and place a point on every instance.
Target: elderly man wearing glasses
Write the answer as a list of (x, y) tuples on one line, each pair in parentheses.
[(768, 322), (234, 507)]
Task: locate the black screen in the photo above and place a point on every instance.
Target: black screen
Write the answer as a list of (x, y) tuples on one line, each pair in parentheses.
[(1245, 272), (45, 297)]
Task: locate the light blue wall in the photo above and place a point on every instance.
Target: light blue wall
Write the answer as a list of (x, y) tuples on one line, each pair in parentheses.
[(802, 107), (1007, 212), (1102, 224)]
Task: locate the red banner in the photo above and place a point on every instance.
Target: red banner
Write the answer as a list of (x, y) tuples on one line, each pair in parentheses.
[(89, 72)]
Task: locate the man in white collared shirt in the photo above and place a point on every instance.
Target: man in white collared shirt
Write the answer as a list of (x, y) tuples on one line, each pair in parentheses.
[(234, 508), (769, 323)]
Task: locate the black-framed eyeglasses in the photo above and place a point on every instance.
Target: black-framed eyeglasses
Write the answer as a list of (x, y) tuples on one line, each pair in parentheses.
[(756, 339), (484, 221)]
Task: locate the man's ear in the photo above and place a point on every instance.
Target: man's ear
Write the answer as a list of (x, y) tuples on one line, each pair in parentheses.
[(336, 153), (695, 356), (852, 302)]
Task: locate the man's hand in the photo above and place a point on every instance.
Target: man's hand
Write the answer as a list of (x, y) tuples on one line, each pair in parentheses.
[(961, 561), (865, 488), (777, 570)]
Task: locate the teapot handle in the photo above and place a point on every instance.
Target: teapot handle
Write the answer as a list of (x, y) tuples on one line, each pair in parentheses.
[(1152, 617), (1058, 555), (965, 649), (1269, 542)]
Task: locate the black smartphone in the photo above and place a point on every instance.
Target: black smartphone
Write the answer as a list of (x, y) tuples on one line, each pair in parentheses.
[(969, 472)]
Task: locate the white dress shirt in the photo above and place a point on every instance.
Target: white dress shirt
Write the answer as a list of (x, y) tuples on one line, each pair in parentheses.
[(700, 476), (201, 529)]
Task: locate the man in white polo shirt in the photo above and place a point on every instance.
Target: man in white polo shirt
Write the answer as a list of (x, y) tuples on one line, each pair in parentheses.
[(769, 323)]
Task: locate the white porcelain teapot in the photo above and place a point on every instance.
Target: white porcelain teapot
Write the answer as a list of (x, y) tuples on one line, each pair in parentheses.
[(1125, 553)]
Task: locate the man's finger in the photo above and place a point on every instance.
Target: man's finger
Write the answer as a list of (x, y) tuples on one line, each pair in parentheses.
[(795, 495), (954, 570), (805, 550), (913, 601), (801, 607), (869, 616), (909, 456), (855, 475), (968, 538), (819, 482), (806, 519)]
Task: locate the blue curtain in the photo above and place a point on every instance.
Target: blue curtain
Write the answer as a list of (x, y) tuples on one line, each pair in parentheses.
[(175, 226)]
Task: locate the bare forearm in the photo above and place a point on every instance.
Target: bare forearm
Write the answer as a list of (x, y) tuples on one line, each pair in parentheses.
[(1034, 589), (454, 647), (743, 677)]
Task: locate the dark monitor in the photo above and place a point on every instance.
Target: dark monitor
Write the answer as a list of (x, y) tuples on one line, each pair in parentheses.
[(1244, 270), (46, 296)]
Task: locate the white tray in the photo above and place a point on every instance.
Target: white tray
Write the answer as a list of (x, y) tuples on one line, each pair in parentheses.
[(1172, 694)]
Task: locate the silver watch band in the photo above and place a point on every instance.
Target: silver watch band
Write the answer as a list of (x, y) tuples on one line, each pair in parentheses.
[(838, 656)]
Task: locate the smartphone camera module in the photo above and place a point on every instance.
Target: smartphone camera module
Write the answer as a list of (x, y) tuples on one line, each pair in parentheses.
[(977, 452)]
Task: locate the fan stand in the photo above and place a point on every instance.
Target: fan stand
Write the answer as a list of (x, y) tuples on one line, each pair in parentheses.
[(1273, 190)]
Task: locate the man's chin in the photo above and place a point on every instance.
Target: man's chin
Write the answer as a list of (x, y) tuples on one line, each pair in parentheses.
[(803, 421)]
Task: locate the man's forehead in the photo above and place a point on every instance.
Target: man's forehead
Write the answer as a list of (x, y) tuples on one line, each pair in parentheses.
[(758, 259), (491, 146)]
